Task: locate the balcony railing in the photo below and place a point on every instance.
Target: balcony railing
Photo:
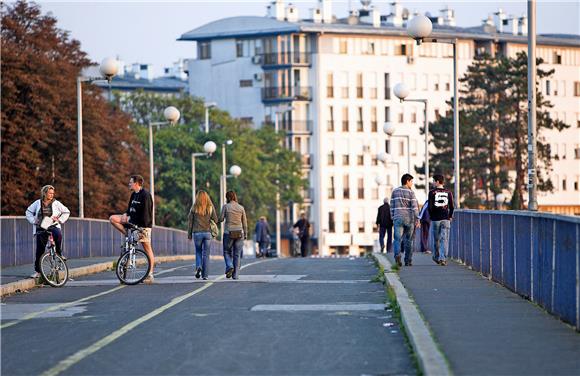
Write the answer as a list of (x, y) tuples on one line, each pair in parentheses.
[(275, 93), (297, 126), (286, 58)]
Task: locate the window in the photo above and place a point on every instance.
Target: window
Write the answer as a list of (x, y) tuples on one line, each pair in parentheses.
[(388, 146), (401, 50), (361, 226), (556, 182), (555, 91), (577, 152), (388, 86), (360, 160), (345, 119), (374, 160), (413, 148), (375, 193), (401, 148), (359, 85), (564, 188), (425, 82), (577, 183), (346, 222), (345, 187), (436, 83), (330, 126), (374, 120), (330, 85), (344, 84), (361, 189), (563, 155), (414, 117), (401, 116), (246, 83), (343, 46), (577, 88), (557, 58), (331, 188), (330, 158), (204, 50), (331, 222), (239, 48), (345, 160), (359, 120), (387, 114), (548, 87)]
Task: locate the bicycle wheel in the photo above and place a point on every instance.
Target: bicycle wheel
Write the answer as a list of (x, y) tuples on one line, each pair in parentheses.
[(54, 270), (132, 267)]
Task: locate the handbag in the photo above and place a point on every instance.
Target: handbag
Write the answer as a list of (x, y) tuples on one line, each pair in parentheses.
[(213, 227)]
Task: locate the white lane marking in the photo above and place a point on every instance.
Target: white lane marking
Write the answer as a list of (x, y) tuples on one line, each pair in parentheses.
[(80, 355), (243, 278), (319, 307), (60, 307), (16, 311)]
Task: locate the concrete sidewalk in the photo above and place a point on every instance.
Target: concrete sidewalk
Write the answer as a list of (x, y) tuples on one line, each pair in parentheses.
[(485, 329)]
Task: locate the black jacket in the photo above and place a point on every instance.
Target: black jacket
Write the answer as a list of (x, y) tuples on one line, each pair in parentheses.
[(441, 204), (384, 216), (303, 227), (140, 209)]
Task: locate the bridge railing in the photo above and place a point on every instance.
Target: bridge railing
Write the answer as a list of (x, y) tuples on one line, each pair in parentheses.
[(536, 255), (86, 238)]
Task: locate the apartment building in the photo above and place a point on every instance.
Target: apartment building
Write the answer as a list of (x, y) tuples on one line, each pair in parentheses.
[(330, 81)]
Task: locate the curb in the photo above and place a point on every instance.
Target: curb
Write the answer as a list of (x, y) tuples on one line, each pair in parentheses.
[(431, 359), (28, 284)]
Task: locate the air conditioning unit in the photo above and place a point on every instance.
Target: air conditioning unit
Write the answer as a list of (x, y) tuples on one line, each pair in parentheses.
[(257, 59), (410, 59), (258, 76)]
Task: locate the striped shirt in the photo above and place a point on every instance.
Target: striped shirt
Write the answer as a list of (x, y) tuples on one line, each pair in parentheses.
[(404, 204)]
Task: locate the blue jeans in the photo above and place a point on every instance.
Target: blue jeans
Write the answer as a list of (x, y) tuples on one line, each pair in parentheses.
[(202, 242), (439, 236), (405, 231), (233, 249), (389, 232)]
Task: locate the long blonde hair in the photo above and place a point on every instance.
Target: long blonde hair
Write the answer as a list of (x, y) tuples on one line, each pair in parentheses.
[(203, 204)]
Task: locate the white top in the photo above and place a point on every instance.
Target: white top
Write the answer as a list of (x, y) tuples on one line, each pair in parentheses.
[(58, 210)]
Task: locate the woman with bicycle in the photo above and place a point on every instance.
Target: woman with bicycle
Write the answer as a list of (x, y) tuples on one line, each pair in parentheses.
[(199, 227), (46, 207)]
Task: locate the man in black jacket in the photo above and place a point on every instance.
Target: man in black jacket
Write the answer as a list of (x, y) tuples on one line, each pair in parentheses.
[(385, 223), (440, 208), (303, 227), (140, 213)]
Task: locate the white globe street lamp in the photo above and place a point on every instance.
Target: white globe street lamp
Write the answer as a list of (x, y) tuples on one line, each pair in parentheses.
[(380, 180), (419, 27), (108, 68), (235, 171), (388, 128), (171, 114), (209, 148), (401, 91)]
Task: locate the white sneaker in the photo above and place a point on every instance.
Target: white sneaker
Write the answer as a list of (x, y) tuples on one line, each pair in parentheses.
[(35, 275)]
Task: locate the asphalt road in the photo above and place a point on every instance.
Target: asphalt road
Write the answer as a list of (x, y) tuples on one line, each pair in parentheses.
[(283, 317)]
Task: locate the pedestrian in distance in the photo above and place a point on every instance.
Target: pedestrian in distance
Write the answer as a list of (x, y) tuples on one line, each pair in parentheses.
[(405, 214), (46, 207), (139, 213), (263, 238), (385, 223), (303, 228), (425, 224), (235, 232), (201, 214), (441, 206)]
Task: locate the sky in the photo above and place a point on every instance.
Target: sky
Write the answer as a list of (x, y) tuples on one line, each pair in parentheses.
[(147, 31)]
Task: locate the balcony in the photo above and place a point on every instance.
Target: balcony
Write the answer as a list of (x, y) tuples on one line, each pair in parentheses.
[(297, 127), (286, 94), (285, 59)]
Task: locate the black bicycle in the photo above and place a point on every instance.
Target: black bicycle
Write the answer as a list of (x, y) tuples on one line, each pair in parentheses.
[(53, 267), (133, 264)]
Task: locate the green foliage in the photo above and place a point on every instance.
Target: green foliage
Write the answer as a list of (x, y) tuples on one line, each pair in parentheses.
[(493, 132), (254, 150)]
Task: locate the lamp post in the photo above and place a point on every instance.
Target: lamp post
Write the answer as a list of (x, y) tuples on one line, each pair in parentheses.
[(235, 171), (207, 106), (172, 115), (389, 129), (279, 111), (223, 183), (402, 93), (386, 159), (419, 28), (209, 148), (108, 68), (532, 176)]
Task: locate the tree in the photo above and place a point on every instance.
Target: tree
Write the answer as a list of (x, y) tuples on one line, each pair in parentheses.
[(40, 64), (253, 150), (493, 131)]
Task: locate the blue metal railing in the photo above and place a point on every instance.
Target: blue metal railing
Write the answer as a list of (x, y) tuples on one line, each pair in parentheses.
[(86, 238), (536, 255)]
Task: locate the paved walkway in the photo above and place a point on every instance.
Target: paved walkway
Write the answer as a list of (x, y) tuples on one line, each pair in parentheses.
[(485, 329)]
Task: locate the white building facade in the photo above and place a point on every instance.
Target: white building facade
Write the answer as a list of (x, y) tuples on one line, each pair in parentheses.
[(335, 78)]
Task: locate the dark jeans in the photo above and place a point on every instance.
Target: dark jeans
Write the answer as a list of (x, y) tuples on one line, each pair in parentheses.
[(304, 246), (41, 240), (233, 249), (425, 246), (389, 232)]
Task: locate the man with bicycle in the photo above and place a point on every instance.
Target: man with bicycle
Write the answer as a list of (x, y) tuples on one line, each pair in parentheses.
[(46, 207), (139, 213)]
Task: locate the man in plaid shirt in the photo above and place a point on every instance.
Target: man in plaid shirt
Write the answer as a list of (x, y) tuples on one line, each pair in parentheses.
[(405, 214)]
